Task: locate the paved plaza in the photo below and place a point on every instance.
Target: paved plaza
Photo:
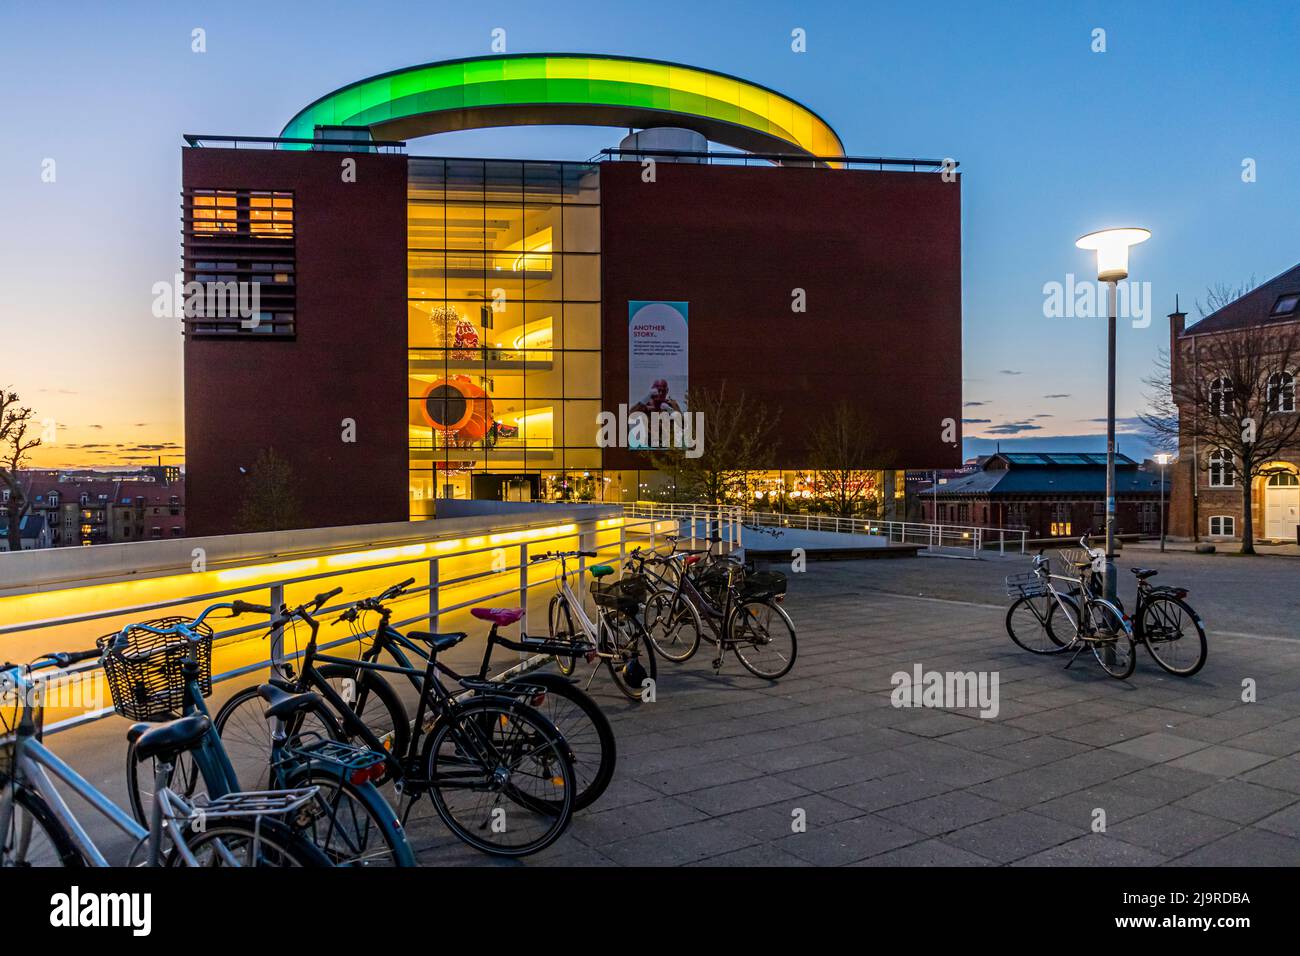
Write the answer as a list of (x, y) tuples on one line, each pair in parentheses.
[(718, 770)]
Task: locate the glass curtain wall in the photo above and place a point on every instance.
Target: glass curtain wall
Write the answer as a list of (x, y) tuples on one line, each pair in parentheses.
[(503, 330)]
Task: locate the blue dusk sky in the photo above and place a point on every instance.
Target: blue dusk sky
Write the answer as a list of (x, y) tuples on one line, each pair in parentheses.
[(1054, 140)]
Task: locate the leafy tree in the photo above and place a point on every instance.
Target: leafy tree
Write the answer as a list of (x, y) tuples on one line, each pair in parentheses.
[(270, 499)]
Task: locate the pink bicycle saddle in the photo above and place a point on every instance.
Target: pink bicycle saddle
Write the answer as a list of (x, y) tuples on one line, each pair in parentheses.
[(498, 615)]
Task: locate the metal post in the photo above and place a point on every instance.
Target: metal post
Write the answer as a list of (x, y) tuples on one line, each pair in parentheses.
[(1111, 586), (433, 595), (1162, 507), (523, 590), (277, 636), (1002, 541)]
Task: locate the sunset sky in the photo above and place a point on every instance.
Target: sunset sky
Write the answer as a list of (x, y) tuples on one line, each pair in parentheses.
[(1054, 141)]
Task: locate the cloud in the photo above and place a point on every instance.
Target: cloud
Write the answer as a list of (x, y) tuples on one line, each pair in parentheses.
[(972, 404), (976, 421), (1058, 395), (1013, 428), (1008, 371)]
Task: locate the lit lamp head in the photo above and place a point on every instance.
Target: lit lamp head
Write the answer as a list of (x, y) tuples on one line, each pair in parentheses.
[(1162, 459), (1111, 246)]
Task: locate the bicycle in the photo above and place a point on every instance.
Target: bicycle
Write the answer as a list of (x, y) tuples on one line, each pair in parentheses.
[(616, 637), (163, 668), (741, 608), (373, 699), (1098, 625), (1163, 621), (475, 758), (38, 828)]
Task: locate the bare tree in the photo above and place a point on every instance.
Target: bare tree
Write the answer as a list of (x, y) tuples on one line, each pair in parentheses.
[(1160, 420), (270, 500), (1221, 294), (738, 437), (842, 450), (15, 420), (1239, 400)]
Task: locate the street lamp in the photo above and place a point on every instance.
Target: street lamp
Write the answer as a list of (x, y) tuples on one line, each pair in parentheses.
[(1111, 246), (1162, 459)]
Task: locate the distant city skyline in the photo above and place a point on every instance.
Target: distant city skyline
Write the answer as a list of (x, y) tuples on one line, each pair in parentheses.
[(1193, 95)]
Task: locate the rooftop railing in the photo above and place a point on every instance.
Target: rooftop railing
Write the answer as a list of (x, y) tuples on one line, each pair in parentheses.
[(727, 158)]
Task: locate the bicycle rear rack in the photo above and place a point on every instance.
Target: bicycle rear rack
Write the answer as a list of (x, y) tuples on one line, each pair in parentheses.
[(255, 803)]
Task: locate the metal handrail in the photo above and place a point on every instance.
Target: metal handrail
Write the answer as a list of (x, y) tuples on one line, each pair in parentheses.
[(584, 530)]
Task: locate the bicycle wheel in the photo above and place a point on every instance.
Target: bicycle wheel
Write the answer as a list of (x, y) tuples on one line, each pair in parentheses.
[(1111, 638), (763, 639), (1173, 634), (673, 624), (35, 837), (500, 777), (237, 841), (1029, 623), (560, 622), (632, 658), (353, 826), (245, 734), (141, 774), (586, 730), (375, 701)]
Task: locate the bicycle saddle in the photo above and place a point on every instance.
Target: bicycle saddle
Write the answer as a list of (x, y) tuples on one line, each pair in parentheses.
[(691, 559), (438, 642), (600, 570), (498, 615), (1144, 573), (155, 740), (284, 703)]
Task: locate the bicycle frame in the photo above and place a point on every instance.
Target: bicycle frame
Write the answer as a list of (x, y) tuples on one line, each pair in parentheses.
[(34, 763)]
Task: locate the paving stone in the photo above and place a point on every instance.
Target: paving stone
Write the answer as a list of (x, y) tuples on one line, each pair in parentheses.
[(679, 846), (1283, 774), (944, 812), (1095, 849), (1221, 761), (1286, 822), (1171, 831), (716, 801), (686, 779), (842, 843), (1158, 747), (1014, 836), (1246, 847), (926, 853), (891, 791), (774, 821), (762, 854)]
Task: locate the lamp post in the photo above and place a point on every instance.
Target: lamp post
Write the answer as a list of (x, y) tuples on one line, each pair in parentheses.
[(1111, 246), (1162, 460)]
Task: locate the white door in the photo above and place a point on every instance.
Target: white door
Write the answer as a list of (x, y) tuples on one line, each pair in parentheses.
[(1281, 511)]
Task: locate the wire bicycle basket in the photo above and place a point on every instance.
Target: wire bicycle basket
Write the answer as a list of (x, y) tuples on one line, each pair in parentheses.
[(144, 670), (1026, 584), (763, 584), (625, 595)]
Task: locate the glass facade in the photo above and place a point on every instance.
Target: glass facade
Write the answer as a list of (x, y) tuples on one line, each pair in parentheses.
[(503, 330)]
